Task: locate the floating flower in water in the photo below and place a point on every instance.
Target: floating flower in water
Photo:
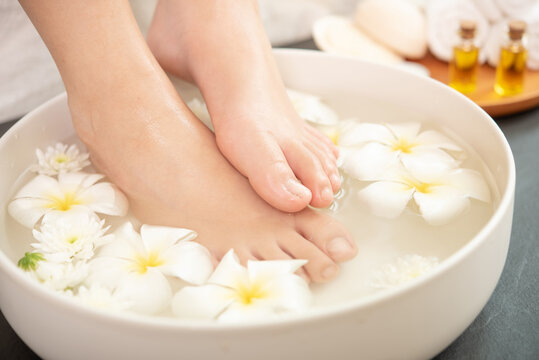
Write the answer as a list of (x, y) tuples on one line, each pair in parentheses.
[(235, 293), (59, 159), (55, 276), (100, 297), (440, 195), (71, 236), (369, 150), (137, 265), (72, 191), (403, 270), (311, 108)]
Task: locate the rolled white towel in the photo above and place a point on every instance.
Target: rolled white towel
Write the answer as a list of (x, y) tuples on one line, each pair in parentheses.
[(498, 34), (337, 35), (443, 19), (532, 21), (516, 9), (489, 9), (397, 24)]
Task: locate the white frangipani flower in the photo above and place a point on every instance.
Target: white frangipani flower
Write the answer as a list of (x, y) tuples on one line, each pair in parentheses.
[(369, 150), (100, 297), (403, 270), (235, 293), (71, 236), (60, 159), (60, 276), (312, 109), (72, 191), (137, 265), (440, 195)]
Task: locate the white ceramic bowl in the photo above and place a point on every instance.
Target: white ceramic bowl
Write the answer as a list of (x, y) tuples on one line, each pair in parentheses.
[(415, 321)]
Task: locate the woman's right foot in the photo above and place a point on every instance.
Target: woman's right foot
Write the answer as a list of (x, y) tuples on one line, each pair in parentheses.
[(144, 138)]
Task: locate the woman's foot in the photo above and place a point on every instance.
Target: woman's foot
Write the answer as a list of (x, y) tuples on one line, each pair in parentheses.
[(222, 47), (146, 140)]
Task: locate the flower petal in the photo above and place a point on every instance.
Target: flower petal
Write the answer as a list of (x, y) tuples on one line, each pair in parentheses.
[(441, 204), (386, 199), (229, 272), (286, 293), (434, 138), (79, 179), (160, 238), (107, 271), (106, 198), (28, 211), (408, 130), (189, 261), (148, 293), (427, 164), (368, 163), (201, 302), (312, 108), (127, 243), (239, 313), (354, 133), (471, 183)]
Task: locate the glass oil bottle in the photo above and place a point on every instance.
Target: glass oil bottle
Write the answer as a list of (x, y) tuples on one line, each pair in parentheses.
[(463, 65), (512, 62)]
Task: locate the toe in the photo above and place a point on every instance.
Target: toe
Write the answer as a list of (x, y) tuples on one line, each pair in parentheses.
[(268, 172), (324, 139), (320, 268), (272, 251), (327, 234), (328, 162), (309, 170)]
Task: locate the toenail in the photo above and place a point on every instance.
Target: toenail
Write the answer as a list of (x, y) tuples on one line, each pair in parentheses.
[(297, 189), (327, 194), (330, 272), (338, 247)]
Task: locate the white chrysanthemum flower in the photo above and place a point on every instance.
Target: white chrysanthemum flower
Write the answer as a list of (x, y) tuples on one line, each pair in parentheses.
[(100, 297), (235, 293), (137, 265), (368, 150), (60, 276), (72, 191), (403, 270), (59, 159), (71, 236)]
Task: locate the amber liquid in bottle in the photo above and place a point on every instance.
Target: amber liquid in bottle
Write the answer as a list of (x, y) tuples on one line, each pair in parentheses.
[(463, 68), (510, 70), (463, 65)]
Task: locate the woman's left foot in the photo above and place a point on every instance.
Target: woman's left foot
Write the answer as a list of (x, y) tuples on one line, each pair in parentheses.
[(222, 47)]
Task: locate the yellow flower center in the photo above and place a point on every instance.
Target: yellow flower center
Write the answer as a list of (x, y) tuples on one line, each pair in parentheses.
[(63, 203), (142, 263), (62, 158), (403, 146), (72, 239), (247, 293), (419, 186)]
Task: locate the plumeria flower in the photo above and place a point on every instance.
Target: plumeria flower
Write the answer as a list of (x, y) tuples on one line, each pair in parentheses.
[(403, 270), (235, 293), (72, 191), (312, 109), (441, 195), (55, 276), (369, 150), (60, 159), (136, 265), (71, 236), (100, 297)]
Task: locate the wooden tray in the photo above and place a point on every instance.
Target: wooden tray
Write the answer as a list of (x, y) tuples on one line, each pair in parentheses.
[(485, 96)]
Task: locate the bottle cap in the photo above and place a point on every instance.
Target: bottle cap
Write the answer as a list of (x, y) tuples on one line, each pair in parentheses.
[(516, 29), (467, 29)]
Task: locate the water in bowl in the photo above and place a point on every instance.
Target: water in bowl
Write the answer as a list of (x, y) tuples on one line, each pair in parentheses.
[(380, 241)]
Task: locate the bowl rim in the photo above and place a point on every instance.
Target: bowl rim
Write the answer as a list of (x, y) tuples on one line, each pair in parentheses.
[(311, 315)]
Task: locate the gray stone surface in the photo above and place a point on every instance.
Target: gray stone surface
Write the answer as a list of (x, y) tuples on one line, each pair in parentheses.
[(508, 326)]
